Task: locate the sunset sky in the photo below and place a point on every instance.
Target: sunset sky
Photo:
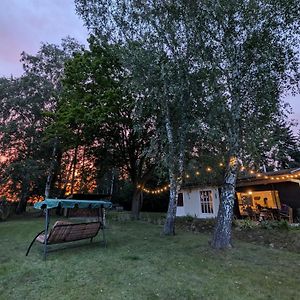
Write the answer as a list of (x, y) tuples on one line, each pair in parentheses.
[(24, 24)]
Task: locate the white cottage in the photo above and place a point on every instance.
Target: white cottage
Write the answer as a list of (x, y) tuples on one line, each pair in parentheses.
[(199, 202)]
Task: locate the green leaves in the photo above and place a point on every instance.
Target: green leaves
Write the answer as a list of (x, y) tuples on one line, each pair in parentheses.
[(90, 88), (28, 105)]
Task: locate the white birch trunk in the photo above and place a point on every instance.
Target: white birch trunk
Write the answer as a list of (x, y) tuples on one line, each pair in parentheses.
[(222, 233), (175, 176)]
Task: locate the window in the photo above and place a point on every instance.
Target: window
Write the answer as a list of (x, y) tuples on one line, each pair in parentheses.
[(180, 199), (206, 202)]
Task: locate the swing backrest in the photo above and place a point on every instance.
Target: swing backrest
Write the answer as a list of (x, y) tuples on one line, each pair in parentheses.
[(67, 232)]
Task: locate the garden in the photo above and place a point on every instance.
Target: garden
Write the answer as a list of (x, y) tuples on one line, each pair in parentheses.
[(140, 263)]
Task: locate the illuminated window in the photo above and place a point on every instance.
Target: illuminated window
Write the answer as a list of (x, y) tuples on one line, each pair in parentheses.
[(206, 202)]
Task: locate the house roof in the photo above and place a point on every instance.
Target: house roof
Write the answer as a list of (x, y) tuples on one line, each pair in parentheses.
[(201, 186), (287, 175)]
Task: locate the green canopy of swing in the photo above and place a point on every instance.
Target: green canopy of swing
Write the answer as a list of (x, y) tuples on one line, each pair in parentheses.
[(71, 203)]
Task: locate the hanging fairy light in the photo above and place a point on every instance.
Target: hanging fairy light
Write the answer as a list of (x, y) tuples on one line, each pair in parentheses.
[(156, 191), (166, 187)]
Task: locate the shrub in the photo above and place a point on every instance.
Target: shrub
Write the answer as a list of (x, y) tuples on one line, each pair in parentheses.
[(244, 224), (282, 224), (4, 209)]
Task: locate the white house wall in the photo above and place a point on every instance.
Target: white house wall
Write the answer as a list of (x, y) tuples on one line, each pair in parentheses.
[(191, 203)]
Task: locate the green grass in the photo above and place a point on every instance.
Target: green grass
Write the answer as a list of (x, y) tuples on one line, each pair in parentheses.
[(139, 263)]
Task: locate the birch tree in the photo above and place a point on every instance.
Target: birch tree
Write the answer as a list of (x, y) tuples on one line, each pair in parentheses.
[(254, 53), (248, 53), (159, 57)]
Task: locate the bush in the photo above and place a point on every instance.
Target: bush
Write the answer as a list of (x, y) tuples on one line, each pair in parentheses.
[(282, 224), (244, 224), (4, 209)]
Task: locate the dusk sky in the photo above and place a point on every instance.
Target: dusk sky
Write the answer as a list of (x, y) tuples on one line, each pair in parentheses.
[(24, 24)]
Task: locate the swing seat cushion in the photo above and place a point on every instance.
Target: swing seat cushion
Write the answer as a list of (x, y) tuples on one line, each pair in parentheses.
[(41, 238), (63, 232)]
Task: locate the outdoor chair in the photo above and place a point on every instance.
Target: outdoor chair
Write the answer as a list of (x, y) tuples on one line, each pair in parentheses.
[(251, 213), (286, 214), (63, 232)]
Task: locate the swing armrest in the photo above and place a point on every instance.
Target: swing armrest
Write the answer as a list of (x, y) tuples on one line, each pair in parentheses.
[(34, 241)]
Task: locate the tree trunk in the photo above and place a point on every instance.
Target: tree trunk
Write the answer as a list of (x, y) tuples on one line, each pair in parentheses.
[(222, 232), (136, 204), (67, 178), (169, 226), (83, 179), (175, 163), (22, 204), (139, 182), (74, 170), (23, 198), (101, 169), (56, 176), (112, 182), (51, 170)]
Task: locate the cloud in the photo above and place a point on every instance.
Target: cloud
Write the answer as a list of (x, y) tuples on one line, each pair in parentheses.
[(24, 24)]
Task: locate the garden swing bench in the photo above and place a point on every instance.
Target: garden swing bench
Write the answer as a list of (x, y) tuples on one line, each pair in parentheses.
[(62, 231)]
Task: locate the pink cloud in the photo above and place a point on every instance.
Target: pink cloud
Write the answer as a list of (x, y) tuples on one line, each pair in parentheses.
[(24, 24)]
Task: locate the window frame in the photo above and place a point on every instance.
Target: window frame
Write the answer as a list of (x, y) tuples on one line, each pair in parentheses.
[(206, 202)]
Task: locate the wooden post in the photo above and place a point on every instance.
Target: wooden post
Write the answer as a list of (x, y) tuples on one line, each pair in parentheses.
[(46, 232), (290, 213), (103, 224)]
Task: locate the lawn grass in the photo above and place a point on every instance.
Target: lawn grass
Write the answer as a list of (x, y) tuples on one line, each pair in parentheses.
[(139, 263)]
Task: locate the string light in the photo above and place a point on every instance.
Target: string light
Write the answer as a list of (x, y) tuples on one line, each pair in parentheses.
[(154, 191), (208, 170)]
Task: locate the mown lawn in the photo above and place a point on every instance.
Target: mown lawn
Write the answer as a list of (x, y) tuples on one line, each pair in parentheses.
[(141, 264)]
